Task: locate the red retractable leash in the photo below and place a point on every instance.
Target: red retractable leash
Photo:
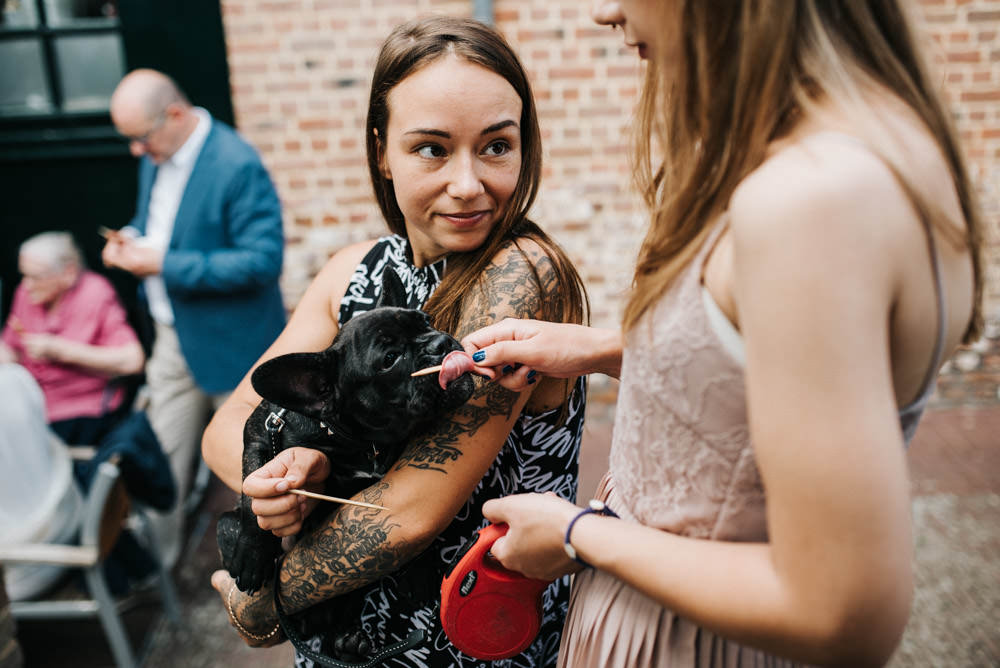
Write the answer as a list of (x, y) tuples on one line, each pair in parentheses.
[(487, 611)]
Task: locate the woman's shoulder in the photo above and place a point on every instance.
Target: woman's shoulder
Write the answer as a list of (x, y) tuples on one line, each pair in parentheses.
[(348, 257), (522, 252), (330, 283), (824, 185)]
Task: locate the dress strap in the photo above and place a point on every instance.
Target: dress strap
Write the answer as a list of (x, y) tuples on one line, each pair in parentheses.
[(928, 383)]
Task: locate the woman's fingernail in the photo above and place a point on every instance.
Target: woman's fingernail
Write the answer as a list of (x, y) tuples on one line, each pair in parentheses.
[(532, 374), (281, 486), (507, 369), (531, 381), (479, 356)]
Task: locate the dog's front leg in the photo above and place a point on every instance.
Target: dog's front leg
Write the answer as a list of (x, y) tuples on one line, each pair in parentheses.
[(248, 552)]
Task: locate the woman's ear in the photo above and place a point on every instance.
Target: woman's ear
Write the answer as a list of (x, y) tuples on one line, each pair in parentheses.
[(383, 165)]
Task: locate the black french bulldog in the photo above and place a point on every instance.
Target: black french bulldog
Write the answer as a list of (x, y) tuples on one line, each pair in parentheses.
[(356, 402)]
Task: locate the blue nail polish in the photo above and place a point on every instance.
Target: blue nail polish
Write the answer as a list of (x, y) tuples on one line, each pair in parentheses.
[(479, 356), (507, 369), (531, 375), (531, 381)]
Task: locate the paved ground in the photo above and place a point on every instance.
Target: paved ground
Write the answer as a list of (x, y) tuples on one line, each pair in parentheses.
[(955, 464)]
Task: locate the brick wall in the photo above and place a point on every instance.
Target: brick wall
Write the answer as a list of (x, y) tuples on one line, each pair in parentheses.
[(300, 71)]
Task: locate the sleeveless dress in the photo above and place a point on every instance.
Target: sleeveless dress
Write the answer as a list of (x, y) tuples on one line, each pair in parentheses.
[(682, 461), (540, 455)]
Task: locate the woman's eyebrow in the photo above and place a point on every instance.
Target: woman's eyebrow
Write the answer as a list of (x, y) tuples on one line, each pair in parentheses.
[(499, 126), (427, 131), (441, 133)]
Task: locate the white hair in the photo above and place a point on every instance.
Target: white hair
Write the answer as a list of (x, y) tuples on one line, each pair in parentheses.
[(57, 249)]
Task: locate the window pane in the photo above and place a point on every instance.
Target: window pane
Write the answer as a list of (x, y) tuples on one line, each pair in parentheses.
[(90, 67), (22, 78), (74, 12), (18, 14)]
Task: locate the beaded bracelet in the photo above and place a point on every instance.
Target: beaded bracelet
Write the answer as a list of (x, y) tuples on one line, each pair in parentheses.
[(593, 507), (229, 607)]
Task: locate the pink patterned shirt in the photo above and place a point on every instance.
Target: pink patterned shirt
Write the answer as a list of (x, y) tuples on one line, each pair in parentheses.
[(90, 313)]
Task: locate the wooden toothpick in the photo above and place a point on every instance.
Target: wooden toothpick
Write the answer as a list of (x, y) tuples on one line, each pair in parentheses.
[(335, 499), (427, 371)]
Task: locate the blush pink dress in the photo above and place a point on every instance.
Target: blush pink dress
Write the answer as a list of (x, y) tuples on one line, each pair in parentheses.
[(681, 461)]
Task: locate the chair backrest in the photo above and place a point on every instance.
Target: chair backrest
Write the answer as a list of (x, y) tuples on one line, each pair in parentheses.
[(116, 510), (107, 508)]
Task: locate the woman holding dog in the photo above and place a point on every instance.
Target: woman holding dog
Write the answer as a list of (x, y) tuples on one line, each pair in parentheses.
[(812, 258), (455, 158)]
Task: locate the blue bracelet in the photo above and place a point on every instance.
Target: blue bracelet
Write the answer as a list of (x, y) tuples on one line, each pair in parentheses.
[(593, 507)]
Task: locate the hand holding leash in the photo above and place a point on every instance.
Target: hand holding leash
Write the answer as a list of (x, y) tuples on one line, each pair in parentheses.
[(534, 544), (487, 611)]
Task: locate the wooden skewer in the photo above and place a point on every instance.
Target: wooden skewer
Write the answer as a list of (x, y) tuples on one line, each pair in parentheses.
[(335, 499), (427, 371)]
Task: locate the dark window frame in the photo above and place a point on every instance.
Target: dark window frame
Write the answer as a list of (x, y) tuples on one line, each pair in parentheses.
[(59, 132)]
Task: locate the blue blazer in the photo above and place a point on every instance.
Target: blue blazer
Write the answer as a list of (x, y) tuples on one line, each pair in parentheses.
[(223, 262)]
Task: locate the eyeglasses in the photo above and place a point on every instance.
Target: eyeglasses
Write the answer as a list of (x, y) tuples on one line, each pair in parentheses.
[(144, 139)]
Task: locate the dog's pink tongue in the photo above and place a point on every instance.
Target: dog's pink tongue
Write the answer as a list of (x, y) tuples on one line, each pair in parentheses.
[(454, 365)]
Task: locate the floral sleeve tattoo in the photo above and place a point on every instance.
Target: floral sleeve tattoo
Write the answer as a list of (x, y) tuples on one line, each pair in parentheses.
[(358, 545)]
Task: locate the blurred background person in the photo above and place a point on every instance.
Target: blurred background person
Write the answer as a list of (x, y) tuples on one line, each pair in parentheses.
[(39, 502), (68, 328), (207, 243)]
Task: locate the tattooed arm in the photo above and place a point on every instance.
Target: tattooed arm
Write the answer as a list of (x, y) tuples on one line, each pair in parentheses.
[(436, 474)]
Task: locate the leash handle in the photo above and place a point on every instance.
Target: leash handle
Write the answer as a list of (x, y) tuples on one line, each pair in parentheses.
[(414, 638)]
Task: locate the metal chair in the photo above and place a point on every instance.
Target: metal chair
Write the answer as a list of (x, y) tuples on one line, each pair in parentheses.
[(106, 509)]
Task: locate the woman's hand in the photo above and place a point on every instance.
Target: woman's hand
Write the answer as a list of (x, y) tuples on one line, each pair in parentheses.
[(253, 617), (278, 511), (534, 542), (524, 348)]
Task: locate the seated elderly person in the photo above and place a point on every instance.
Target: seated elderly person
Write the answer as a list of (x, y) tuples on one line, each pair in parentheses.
[(69, 330)]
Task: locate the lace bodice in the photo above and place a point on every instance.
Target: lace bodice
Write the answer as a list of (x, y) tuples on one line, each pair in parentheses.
[(681, 454)]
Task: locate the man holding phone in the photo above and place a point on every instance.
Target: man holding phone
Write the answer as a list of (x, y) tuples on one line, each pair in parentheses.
[(207, 243)]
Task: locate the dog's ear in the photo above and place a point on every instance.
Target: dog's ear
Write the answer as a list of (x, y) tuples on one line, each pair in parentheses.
[(393, 291), (300, 382)]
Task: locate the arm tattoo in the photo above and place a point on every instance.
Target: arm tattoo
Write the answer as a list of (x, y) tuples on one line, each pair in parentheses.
[(358, 546), (509, 289), (342, 555)]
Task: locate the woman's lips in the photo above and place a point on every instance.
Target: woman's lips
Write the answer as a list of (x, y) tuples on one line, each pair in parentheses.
[(464, 220), (640, 47)]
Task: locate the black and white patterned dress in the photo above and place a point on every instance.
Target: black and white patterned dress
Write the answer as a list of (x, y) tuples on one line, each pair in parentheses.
[(540, 455)]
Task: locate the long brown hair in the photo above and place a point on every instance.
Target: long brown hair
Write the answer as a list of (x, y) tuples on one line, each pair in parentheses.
[(414, 45), (742, 73)]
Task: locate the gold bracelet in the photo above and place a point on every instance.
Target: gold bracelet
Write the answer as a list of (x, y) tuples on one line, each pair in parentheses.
[(229, 607)]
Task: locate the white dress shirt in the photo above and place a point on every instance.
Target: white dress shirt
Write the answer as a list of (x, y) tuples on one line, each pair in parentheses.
[(164, 200)]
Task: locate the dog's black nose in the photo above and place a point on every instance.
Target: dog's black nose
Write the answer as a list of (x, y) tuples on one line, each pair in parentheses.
[(440, 344)]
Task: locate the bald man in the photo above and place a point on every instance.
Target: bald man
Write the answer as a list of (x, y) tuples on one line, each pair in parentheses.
[(207, 242)]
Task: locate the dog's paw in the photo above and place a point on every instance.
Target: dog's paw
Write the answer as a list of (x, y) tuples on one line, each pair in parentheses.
[(249, 559), (352, 645), (227, 532)]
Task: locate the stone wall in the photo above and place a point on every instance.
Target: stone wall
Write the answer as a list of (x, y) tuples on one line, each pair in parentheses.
[(300, 71)]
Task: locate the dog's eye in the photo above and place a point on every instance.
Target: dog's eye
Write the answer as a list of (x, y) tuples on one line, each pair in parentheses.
[(389, 359)]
